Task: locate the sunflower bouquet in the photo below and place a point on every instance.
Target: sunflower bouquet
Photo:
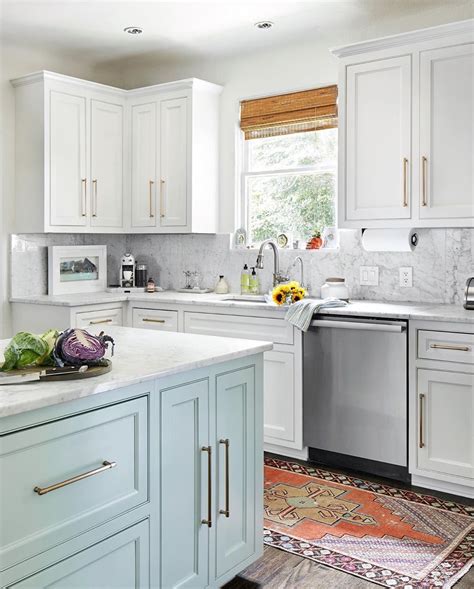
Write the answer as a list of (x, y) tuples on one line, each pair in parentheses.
[(288, 293)]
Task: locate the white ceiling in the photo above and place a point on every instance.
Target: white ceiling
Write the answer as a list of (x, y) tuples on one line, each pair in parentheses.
[(181, 29)]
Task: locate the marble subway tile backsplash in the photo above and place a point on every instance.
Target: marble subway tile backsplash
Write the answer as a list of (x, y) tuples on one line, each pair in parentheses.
[(441, 263)]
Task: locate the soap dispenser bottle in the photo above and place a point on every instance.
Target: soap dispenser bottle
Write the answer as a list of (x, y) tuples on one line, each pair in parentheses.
[(254, 285), (222, 286), (245, 280)]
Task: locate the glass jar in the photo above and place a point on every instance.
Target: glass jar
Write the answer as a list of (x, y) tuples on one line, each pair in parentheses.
[(335, 288)]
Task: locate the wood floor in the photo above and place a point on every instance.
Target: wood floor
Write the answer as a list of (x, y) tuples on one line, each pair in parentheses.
[(278, 569)]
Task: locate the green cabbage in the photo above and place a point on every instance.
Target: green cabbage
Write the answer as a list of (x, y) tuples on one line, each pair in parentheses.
[(28, 349)]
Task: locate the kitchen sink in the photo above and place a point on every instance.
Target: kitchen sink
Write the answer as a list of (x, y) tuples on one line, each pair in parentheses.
[(247, 299)]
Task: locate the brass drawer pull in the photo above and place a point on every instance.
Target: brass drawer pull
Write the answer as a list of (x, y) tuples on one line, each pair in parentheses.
[(84, 196), (450, 347), (147, 320), (424, 199), (150, 196), (422, 419), (208, 521), (106, 465), (98, 321), (94, 207), (405, 182), (226, 511), (162, 207)]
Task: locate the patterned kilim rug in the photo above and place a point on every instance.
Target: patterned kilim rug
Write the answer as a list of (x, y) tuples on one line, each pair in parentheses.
[(389, 536)]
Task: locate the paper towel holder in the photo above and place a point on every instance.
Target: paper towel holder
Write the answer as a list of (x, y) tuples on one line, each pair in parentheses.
[(414, 239)]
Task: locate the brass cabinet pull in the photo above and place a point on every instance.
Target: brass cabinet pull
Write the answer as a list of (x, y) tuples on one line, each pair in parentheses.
[(147, 320), (98, 321), (106, 465), (405, 182), (208, 521), (94, 208), (162, 207), (84, 196), (150, 196), (226, 511), (450, 347), (422, 420), (424, 199)]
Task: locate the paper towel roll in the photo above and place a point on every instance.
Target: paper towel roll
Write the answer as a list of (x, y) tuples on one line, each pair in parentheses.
[(389, 240)]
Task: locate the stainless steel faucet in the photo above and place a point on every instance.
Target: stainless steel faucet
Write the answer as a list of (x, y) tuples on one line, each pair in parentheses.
[(300, 260), (277, 276)]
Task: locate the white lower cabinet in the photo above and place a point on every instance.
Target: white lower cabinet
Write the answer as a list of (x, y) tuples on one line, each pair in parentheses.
[(279, 398), (121, 561), (209, 464), (446, 422)]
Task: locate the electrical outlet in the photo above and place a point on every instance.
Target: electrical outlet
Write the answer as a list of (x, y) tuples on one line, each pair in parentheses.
[(369, 276), (406, 277)]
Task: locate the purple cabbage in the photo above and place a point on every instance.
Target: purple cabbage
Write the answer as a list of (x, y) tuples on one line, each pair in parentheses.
[(77, 346)]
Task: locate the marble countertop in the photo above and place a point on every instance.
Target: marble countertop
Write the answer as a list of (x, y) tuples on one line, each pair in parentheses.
[(399, 310), (140, 355)]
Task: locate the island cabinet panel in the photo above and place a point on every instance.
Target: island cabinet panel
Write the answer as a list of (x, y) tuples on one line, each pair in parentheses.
[(38, 511), (185, 485), (235, 469), (119, 561)]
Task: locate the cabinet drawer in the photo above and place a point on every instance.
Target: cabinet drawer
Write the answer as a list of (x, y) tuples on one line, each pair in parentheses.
[(89, 319), (119, 561), (155, 319), (277, 331), (446, 346), (109, 445)]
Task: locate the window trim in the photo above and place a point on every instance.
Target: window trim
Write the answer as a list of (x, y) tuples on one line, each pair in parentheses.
[(245, 174)]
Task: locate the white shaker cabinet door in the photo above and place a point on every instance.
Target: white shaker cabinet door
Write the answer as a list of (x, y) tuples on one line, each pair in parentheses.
[(445, 422), (143, 156), (378, 140), (173, 162), (67, 169), (279, 398), (447, 133), (106, 164)]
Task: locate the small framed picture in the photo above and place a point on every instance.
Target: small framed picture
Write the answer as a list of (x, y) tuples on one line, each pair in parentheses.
[(76, 269)]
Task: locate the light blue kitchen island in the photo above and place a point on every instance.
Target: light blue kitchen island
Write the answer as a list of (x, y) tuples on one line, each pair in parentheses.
[(149, 476)]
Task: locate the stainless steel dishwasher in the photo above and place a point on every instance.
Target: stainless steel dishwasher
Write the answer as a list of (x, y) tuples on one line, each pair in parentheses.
[(355, 394)]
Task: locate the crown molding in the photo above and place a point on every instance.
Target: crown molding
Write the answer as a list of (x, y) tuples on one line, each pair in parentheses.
[(44, 75), (418, 36)]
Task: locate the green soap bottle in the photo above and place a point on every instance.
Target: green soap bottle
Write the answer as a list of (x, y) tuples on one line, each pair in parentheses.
[(254, 282), (245, 280)]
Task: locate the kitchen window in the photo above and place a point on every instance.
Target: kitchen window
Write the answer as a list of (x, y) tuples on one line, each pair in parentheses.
[(289, 164)]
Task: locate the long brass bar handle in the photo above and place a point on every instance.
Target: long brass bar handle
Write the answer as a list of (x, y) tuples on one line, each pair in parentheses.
[(226, 511), (146, 320), (405, 182), (98, 321), (422, 421), (450, 347), (150, 197), (424, 164), (208, 521), (84, 197), (106, 465), (162, 206), (94, 210)]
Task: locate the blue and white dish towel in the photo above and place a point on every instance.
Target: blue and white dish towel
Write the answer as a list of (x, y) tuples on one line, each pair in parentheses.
[(300, 314)]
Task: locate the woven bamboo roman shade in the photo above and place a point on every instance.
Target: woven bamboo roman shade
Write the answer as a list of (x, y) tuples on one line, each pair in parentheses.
[(309, 110)]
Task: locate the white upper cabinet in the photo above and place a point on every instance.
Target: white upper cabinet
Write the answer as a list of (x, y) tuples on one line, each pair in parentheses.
[(447, 132), (106, 164), (406, 130), (378, 139), (92, 158), (67, 171)]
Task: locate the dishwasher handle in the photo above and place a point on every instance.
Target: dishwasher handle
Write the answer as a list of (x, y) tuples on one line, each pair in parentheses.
[(391, 327)]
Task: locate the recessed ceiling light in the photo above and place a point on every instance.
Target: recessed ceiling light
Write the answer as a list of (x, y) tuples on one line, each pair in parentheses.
[(264, 24), (133, 30)]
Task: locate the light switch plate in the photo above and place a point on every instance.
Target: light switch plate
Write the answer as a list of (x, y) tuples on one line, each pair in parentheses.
[(369, 276), (406, 277)]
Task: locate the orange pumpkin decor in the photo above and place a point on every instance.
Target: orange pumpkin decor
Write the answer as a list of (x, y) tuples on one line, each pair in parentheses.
[(315, 242)]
